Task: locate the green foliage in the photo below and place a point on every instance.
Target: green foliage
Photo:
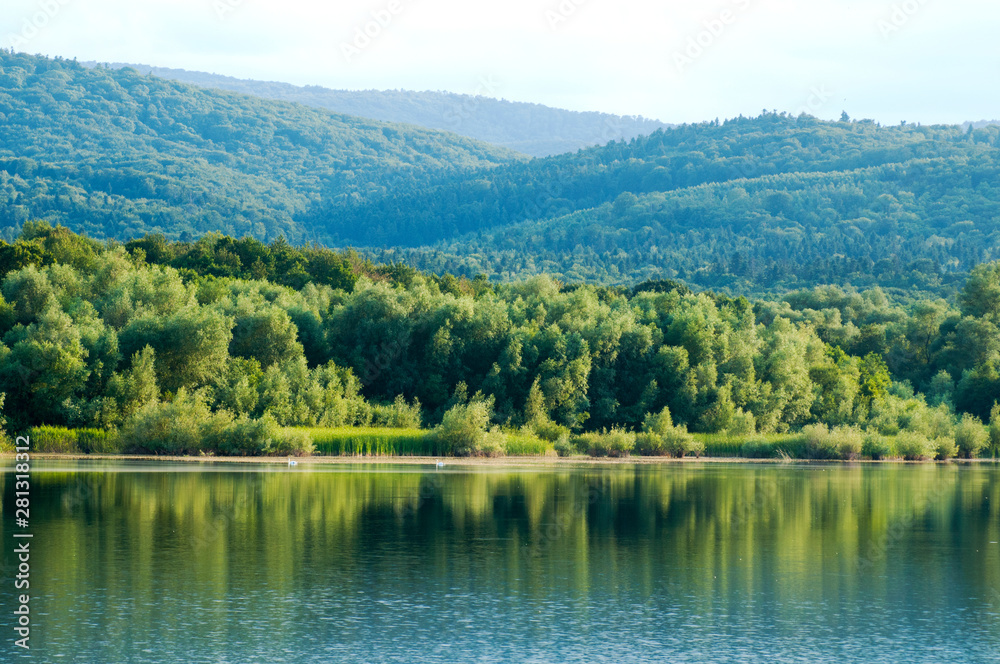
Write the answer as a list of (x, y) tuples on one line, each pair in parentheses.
[(994, 444), (971, 436), (945, 448), (400, 415), (186, 426), (614, 443), (361, 441), (915, 446), (463, 430), (876, 446), (821, 442), (874, 378), (95, 348), (746, 205), (758, 449), (660, 437), (50, 439), (261, 437), (565, 446), (61, 440), (521, 444), (115, 153)]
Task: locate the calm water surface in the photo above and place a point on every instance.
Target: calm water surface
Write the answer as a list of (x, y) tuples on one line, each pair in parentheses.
[(679, 563)]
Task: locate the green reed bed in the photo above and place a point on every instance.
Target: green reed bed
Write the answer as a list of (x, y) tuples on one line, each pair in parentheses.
[(60, 440), (521, 444), (760, 446), (371, 441)]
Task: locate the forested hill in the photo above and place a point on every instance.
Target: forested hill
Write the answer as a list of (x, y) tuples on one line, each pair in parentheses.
[(532, 129), (118, 154), (748, 204), (744, 204)]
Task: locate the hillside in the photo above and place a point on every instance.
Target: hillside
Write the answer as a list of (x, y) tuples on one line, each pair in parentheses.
[(117, 154), (531, 129), (746, 205)]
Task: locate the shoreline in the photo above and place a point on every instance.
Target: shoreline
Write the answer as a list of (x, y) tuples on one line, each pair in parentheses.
[(507, 461)]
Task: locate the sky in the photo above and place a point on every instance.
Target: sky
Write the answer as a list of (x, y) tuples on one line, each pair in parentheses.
[(927, 61)]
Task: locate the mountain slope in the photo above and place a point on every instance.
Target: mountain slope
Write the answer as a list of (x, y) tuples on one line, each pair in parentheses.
[(748, 204), (685, 157), (531, 129), (115, 154), (915, 224)]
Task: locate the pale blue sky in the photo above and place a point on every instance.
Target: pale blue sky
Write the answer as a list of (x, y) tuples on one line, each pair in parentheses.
[(916, 60)]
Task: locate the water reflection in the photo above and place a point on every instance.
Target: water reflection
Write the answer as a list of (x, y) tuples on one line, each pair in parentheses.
[(647, 563)]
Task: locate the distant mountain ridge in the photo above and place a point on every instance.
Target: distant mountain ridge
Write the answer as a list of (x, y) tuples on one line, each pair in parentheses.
[(532, 129), (771, 202)]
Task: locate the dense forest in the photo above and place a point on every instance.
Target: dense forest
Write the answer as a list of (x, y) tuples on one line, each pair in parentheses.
[(110, 335), (118, 154), (748, 205), (771, 202), (532, 129)]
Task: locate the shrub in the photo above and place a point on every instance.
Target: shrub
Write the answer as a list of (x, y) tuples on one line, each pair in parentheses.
[(399, 415), (743, 423), (945, 448), (934, 423), (661, 438), (970, 436), (847, 442), (650, 444), (914, 446), (876, 446), (614, 443), (843, 442), (180, 426), (263, 437), (494, 443), (564, 447), (462, 431), (187, 426), (548, 430)]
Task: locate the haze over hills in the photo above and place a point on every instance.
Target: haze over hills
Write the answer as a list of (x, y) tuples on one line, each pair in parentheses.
[(748, 204), (531, 129)]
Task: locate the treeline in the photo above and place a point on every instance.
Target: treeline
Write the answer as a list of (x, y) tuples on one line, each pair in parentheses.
[(133, 336)]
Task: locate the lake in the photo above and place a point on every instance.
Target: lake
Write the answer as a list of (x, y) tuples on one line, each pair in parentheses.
[(689, 562)]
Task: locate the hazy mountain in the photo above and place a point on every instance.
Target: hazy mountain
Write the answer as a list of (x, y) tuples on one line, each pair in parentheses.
[(980, 124), (532, 129)]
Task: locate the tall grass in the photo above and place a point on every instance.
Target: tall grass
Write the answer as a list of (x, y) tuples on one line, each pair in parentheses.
[(372, 441), (523, 444), (60, 440), (760, 446)]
